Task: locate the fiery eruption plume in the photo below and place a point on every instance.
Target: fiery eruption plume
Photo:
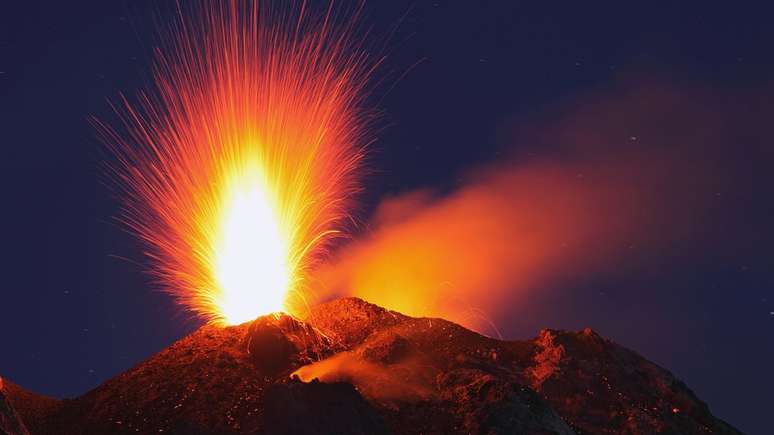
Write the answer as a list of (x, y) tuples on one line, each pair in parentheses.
[(238, 165)]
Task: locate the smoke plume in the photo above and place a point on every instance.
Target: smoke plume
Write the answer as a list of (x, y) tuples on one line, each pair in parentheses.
[(594, 186)]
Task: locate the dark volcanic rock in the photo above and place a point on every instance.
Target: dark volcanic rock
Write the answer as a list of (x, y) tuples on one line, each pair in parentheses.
[(381, 372), (458, 381), (489, 404), (595, 385), (278, 342), (207, 382), (34, 409), (601, 387), (386, 349), (315, 408), (10, 423)]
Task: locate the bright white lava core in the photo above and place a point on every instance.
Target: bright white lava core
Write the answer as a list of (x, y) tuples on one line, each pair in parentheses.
[(251, 266)]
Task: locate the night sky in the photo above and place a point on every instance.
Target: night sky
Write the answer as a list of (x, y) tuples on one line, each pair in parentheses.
[(465, 85)]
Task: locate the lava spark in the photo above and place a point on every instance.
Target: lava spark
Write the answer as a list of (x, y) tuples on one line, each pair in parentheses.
[(239, 164)]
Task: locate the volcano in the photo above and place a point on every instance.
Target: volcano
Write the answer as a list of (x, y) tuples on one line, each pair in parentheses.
[(355, 368)]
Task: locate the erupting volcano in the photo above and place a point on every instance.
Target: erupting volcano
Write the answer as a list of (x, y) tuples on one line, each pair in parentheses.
[(239, 165), (237, 168)]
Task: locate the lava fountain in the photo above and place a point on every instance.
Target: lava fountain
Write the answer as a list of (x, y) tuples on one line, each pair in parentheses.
[(238, 164)]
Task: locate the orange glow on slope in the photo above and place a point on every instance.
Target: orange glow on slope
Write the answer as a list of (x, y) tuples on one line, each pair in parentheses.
[(238, 166)]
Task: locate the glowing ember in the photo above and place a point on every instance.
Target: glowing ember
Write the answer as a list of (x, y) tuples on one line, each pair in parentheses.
[(238, 166)]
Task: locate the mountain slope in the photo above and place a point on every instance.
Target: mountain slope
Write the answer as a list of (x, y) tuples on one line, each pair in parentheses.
[(381, 372), (10, 421)]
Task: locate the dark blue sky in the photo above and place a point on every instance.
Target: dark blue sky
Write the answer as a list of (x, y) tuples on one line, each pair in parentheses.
[(77, 309)]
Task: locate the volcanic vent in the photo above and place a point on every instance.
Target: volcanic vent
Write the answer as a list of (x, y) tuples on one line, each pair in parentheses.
[(355, 368)]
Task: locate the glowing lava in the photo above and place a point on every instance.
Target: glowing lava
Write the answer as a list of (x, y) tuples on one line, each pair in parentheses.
[(239, 164), (252, 253)]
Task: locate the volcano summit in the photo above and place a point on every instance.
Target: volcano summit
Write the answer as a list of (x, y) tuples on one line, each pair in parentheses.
[(355, 368)]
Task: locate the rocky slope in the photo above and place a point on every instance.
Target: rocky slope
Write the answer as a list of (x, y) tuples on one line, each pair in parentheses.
[(355, 368), (10, 422)]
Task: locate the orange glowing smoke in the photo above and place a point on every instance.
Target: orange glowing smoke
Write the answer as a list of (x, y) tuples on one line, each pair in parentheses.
[(238, 166), (509, 245)]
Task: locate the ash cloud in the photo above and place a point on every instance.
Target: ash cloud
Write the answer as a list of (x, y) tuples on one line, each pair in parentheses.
[(596, 185)]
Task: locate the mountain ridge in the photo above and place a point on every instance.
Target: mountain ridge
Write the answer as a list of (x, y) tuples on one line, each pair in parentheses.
[(354, 367)]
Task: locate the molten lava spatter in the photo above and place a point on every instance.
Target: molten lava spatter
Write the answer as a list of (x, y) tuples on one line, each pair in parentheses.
[(239, 165)]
